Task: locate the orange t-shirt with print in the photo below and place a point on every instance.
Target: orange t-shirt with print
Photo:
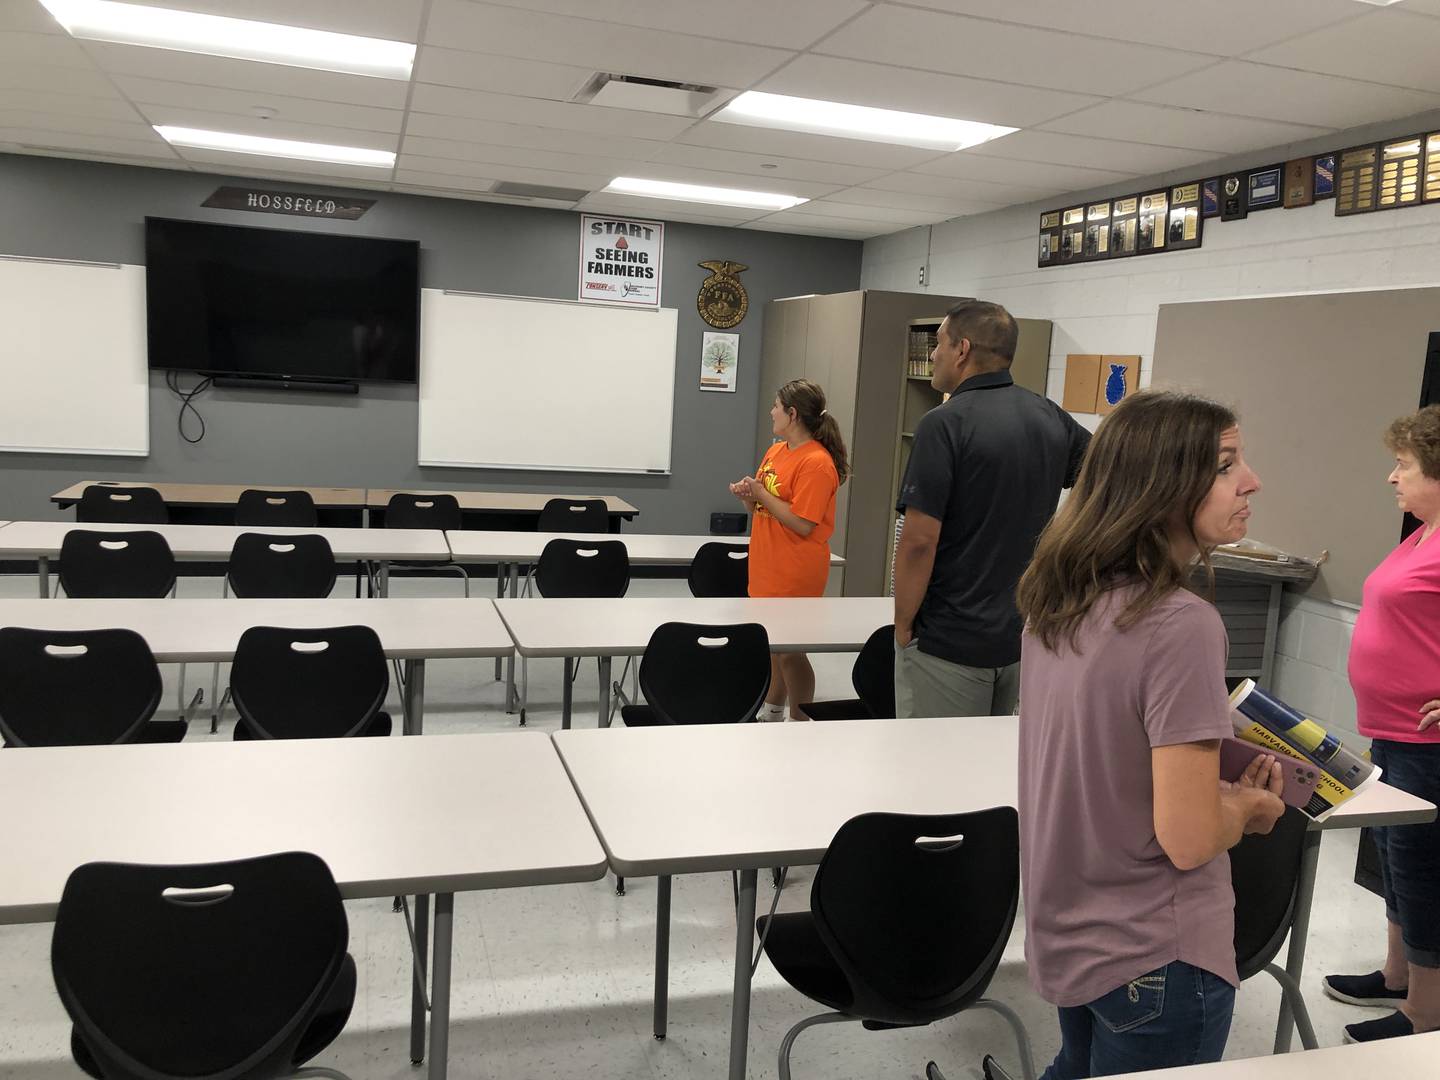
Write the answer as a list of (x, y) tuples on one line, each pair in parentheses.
[(782, 562)]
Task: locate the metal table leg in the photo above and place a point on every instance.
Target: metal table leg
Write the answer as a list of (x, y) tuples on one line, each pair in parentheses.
[(499, 595), (510, 696), (567, 691), (662, 955), (414, 723), (604, 692), (1299, 931), (417, 981), (740, 1003), (440, 986), (385, 577), (42, 565)]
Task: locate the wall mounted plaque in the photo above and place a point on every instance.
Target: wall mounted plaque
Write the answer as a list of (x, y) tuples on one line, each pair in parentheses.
[(1263, 188), (1184, 228), (1097, 230), (1210, 197), (1152, 229), (1400, 173), (1072, 234), (1299, 182), (295, 203), (1049, 253), (1432, 167), (1232, 197), (1325, 177), (1355, 182), (1124, 226)]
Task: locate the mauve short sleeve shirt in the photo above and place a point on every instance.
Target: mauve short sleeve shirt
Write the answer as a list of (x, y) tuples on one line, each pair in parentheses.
[(1103, 903)]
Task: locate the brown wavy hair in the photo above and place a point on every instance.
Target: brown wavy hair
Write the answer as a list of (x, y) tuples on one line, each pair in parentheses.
[(1418, 434), (1154, 458), (808, 401)]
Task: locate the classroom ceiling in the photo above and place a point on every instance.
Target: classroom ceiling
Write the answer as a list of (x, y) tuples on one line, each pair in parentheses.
[(1103, 90)]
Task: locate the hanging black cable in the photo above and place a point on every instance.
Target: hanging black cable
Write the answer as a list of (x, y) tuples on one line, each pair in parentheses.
[(187, 397)]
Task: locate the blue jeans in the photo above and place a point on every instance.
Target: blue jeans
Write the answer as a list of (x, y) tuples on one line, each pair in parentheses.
[(1410, 854), (1175, 1015)]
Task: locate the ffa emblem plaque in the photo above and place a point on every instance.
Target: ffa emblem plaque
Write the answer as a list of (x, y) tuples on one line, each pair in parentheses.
[(722, 300)]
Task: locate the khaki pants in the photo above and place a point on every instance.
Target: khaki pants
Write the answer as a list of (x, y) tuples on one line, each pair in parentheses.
[(926, 685)]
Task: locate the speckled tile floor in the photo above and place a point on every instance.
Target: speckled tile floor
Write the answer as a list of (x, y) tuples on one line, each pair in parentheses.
[(556, 982)]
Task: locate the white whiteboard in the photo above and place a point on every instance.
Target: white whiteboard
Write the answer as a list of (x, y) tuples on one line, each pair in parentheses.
[(512, 383), (73, 377)]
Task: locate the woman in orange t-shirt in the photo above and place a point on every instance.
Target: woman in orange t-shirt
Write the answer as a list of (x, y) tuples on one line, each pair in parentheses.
[(793, 498)]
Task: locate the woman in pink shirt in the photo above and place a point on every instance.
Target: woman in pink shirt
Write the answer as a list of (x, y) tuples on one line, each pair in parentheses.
[(1395, 672), (1124, 822)]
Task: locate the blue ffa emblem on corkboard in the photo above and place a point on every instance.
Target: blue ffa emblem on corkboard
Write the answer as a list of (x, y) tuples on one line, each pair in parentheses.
[(1115, 385)]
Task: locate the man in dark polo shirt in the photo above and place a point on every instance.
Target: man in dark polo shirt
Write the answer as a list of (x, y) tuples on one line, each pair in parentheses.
[(985, 474)]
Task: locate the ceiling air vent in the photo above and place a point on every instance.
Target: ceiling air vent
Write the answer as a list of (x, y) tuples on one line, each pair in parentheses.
[(539, 191), (652, 95)]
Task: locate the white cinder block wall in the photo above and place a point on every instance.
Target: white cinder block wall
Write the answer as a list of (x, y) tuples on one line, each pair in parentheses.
[(1113, 308)]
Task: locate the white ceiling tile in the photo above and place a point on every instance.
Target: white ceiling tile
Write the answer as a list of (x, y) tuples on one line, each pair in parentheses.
[(29, 49), (486, 28), (786, 168), (1302, 97), (1222, 27), (27, 16), (665, 209), (279, 168), (1189, 128), (41, 138), (1424, 7), (549, 177), (111, 107), (54, 79), (451, 181), (436, 192), (901, 200), (133, 128), (794, 228), (845, 226), (1387, 46), (442, 166), (982, 191), (259, 79), (499, 74), (655, 170), (221, 100), (972, 165), (834, 79), (276, 128), (398, 20), (868, 214), (757, 140), (110, 158), (470, 140), (313, 182), (792, 24), (489, 157), (907, 37), (478, 105), (1131, 157)]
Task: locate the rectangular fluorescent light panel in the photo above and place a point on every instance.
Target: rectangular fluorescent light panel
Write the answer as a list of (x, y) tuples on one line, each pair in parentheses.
[(857, 122), (280, 148), (716, 196), (240, 39)]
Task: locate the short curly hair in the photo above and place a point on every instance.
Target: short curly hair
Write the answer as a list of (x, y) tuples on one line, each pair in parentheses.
[(1418, 434)]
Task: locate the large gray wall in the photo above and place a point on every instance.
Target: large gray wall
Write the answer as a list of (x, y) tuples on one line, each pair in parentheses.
[(66, 209)]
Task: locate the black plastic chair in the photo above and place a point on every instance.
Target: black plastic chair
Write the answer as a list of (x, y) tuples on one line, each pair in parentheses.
[(232, 969), (257, 507), (873, 677), (116, 565), (409, 511), (273, 566), (720, 570), (126, 505), (323, 683), (573, 516), (1265, 873), (80, 688), (692, 673), (909, 917)]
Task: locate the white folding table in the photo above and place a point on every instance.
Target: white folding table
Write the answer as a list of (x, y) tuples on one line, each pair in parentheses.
[(444, 824), (208, 630), (1413, 1058), (608, 628), (41, 540), (800, 783)]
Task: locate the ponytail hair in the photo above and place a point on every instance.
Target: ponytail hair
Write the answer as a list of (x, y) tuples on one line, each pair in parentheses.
[(808, 401)]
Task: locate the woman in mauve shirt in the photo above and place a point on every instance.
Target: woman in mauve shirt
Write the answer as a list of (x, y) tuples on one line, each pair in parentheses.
[(1395, 672), (1124, 821)]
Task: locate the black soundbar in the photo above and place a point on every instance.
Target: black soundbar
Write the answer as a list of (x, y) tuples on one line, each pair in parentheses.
[(284, 382)]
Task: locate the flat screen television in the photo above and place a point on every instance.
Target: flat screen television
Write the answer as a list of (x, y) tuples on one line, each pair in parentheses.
[(229, 300)]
